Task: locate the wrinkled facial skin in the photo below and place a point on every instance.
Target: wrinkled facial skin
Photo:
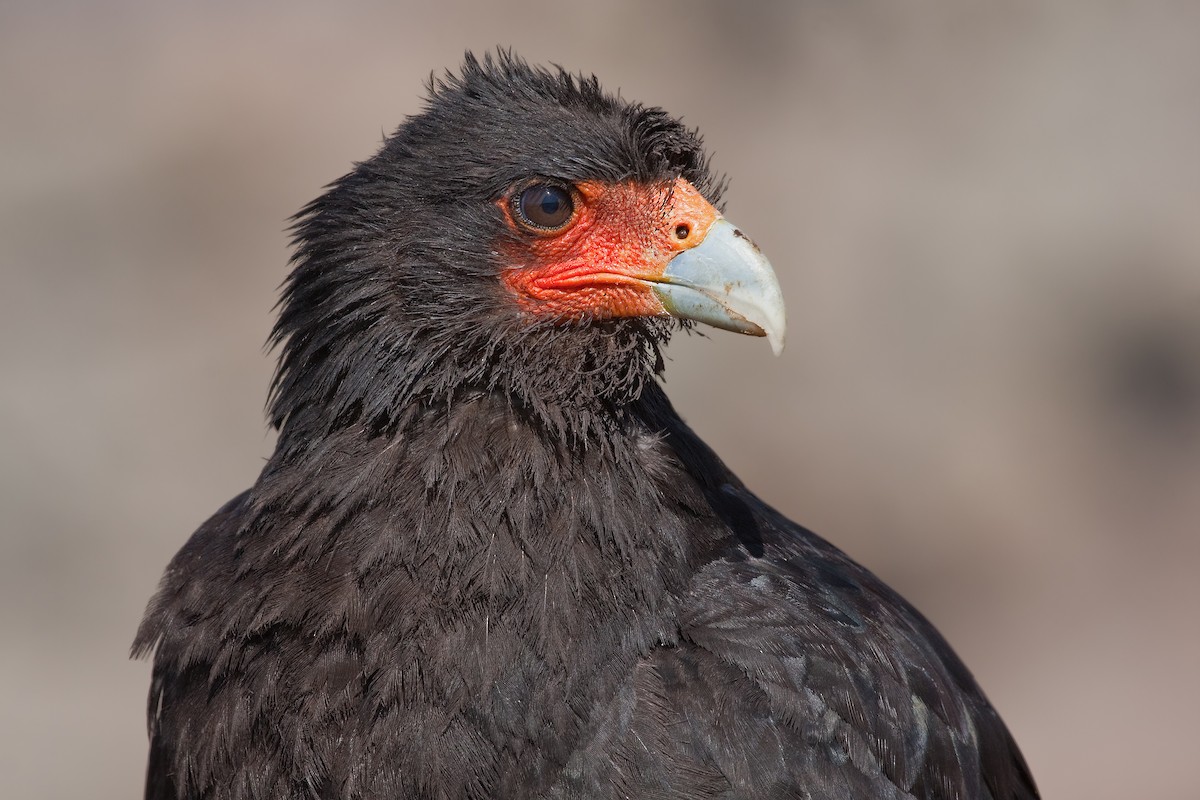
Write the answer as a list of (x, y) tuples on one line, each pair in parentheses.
[(601, 264)]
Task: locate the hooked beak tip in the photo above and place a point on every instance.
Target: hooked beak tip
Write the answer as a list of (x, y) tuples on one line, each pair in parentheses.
[(725, 281)]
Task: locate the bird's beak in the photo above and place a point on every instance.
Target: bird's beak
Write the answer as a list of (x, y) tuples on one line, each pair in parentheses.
[(725, 281)]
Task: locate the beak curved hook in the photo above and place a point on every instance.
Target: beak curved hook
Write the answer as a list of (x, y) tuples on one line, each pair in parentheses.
[(725, 281)]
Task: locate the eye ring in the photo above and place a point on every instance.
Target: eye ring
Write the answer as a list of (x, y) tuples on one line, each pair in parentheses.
[(544, 206)]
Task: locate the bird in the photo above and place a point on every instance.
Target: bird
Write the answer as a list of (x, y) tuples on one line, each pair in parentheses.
[(487, 558)]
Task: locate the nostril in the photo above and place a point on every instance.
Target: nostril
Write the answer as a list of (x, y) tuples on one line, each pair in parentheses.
[(682, 231)]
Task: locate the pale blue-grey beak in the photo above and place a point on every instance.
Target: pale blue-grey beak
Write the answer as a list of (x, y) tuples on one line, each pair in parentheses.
[(725, 281)]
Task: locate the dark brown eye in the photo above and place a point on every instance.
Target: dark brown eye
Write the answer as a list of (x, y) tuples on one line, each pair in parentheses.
[(545, 206)]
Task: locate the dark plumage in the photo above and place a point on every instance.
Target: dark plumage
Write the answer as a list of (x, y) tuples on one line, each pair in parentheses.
[(488, 560)]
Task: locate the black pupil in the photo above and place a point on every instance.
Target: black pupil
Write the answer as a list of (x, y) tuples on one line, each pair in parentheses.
[(546, 206)]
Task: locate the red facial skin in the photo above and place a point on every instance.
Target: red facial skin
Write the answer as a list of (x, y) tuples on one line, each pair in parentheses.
[(621, 236)]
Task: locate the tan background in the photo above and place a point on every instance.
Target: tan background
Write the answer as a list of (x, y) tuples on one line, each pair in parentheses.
[(984, 217)]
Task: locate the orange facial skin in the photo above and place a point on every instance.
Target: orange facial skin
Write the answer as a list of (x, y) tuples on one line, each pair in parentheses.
[(598, 266)]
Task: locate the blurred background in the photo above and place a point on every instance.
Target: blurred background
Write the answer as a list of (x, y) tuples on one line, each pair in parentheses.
[(986, 221)]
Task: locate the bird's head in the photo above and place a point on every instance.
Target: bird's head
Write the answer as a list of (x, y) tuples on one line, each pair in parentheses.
[(526, 234)]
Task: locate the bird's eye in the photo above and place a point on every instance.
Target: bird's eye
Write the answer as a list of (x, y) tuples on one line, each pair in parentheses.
[(545, 207)]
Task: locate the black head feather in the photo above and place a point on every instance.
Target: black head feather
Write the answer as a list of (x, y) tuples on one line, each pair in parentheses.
[(395, 301)]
